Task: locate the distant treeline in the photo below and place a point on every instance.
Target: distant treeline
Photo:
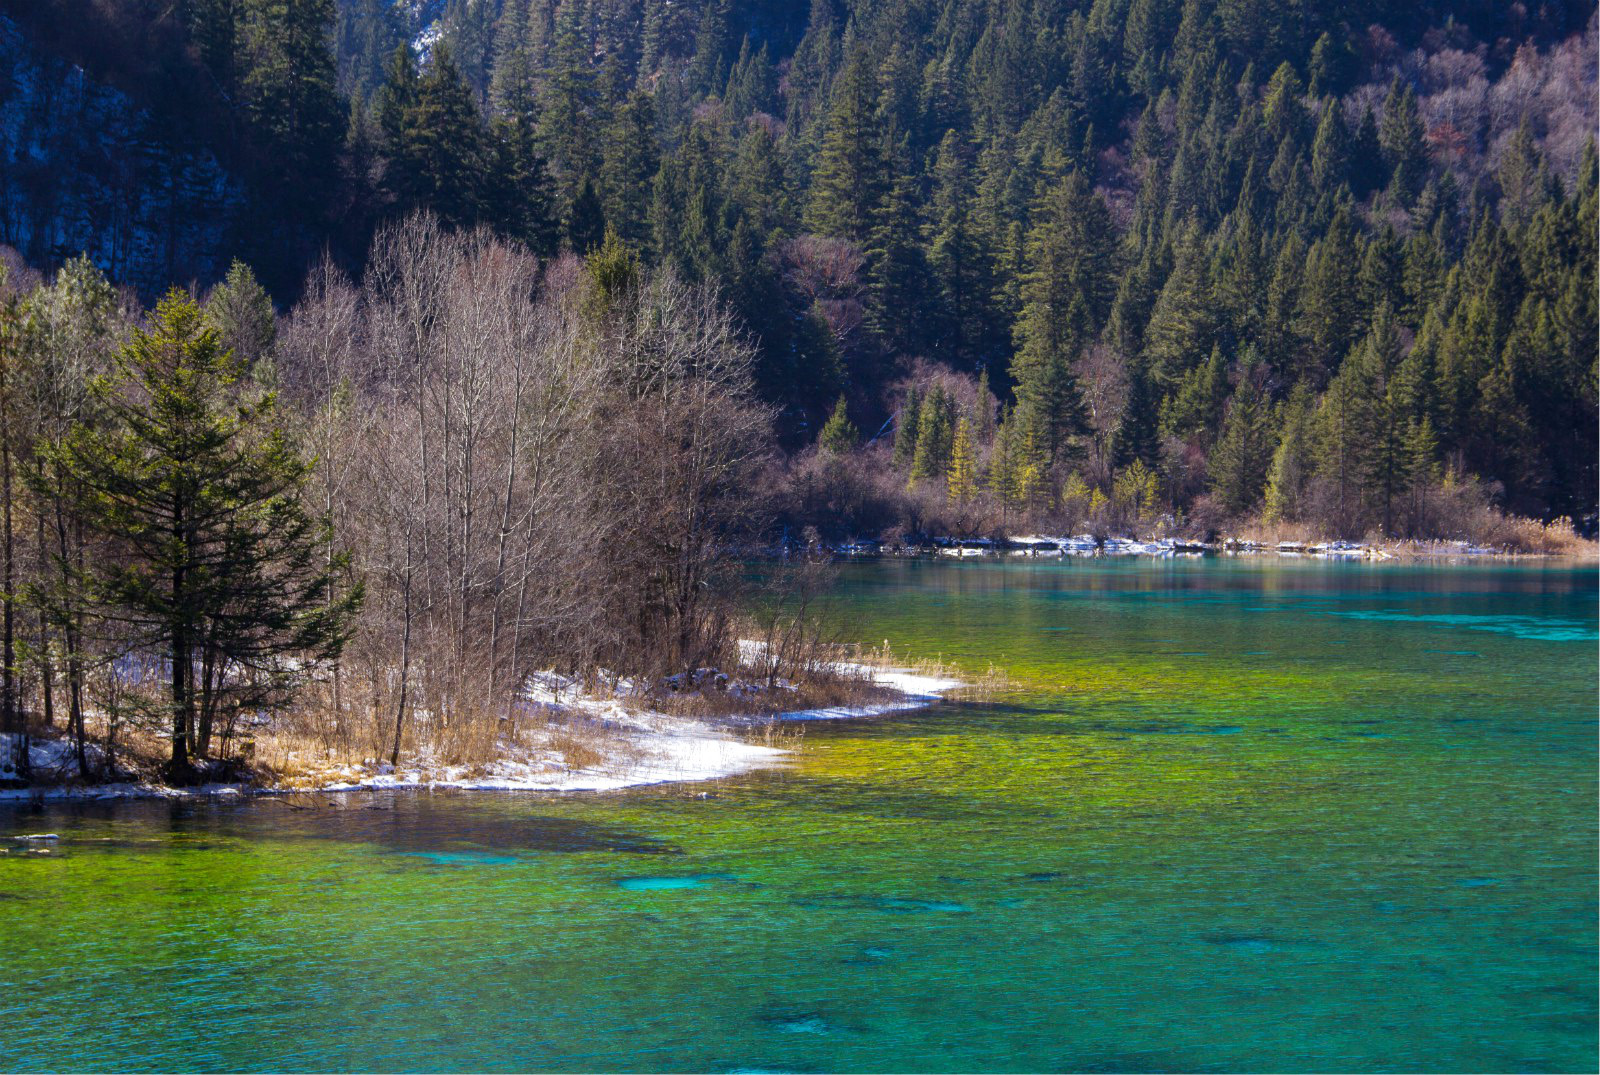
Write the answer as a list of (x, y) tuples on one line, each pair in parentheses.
[(1333, 263)]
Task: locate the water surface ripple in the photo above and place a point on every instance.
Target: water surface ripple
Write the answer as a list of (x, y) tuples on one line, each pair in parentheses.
[(1227, 816)]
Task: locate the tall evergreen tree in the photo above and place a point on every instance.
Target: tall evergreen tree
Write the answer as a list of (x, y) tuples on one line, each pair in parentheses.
[(840, 435), (290, 86), (1243, 454), (962, 481), (1401, 137), (907, 425), (440, 150), (629, 168), (1067, 296), (852, 178), (219, 565), (961, 258), (936, 419)]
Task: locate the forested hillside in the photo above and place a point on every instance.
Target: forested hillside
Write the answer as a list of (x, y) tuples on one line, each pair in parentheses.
[(1105, 263)]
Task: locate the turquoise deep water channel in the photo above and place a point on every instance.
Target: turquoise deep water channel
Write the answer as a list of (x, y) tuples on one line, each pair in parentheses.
[(1226, 815)]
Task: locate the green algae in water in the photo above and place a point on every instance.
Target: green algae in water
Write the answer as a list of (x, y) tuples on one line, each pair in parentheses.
[(1386, 862)]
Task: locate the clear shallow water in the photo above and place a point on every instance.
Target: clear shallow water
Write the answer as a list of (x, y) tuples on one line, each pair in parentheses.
[(1235, 815)]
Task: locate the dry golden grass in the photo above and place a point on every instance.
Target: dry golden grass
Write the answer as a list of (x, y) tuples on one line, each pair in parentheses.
[(1479, 524), (1529, 536), (581, 749), (1274, 533), (983, 688)]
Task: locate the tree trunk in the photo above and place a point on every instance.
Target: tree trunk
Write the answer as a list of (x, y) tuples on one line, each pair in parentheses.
[(8, 579), (178, 769), (208, 692), (405, 659), (71, 633)]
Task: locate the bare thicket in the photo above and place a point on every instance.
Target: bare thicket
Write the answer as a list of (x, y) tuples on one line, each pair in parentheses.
[(530, 475)]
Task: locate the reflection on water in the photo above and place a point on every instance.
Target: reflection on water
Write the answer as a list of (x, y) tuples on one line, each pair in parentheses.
[(1228, 816)]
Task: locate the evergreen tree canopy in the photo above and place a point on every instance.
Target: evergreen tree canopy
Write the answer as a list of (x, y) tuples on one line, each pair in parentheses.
[(199, 486)]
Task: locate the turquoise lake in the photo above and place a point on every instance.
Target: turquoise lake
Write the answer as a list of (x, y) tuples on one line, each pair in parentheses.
[(1225, 815)]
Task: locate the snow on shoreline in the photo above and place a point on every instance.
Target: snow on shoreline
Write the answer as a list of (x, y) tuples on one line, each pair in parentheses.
[(915, 691), (640, 748), (1089, 546)]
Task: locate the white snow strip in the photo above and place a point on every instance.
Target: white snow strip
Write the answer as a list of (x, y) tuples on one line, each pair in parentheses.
[(675, 750), (637, 748), (916, 690)]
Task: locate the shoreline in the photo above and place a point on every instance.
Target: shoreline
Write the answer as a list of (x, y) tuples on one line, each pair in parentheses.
[(1085, 546), (646, 748)]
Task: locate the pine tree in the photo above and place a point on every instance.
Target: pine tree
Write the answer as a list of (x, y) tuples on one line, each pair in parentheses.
[(907, 425), (1067, 296), (935, 432), (1138, 435), (961, 258), (840, 435), (290, 89), (1004, 465), (1422, 470), (851, 182), (614, 276), (214, 27), (395, 100), (898, 280), (812, 71), (1194, 412), (568, 122), (240, 311), (13, 723), (1401, 137), (1330, 318), (1380, 418), (708, 70), (220, 566), (1525, 182), (468, 32), (629, 168), (520, 200), (1243, 454), (1381, 281), (1032, 469), (1181, 328), (513, 83), (983, 407), (962, 476), (1330, 150), (1282, 115), (1337, 451), (1293, 460), (72, 329), (586, 220), (757, 186), (752, 84), (1368, 172), (439, 145), (1333, 64)]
